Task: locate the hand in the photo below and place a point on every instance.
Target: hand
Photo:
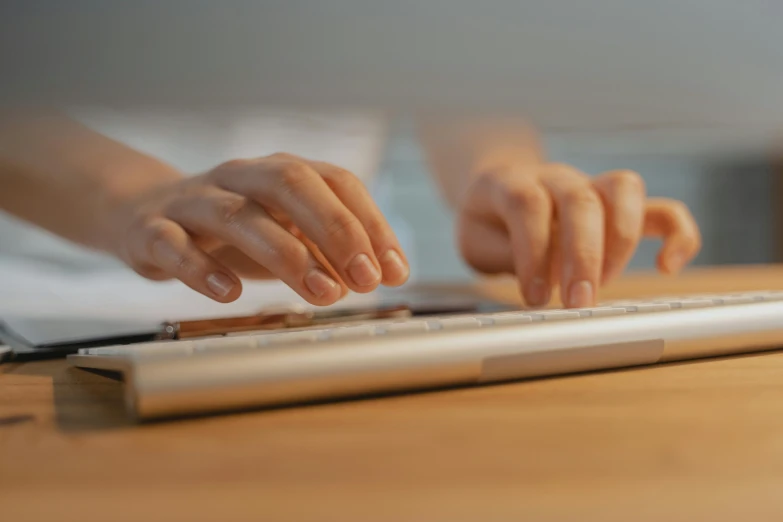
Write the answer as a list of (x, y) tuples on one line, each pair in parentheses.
[(311, 224), (552, 225)]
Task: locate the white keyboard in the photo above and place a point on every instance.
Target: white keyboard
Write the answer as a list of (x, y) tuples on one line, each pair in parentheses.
[(269, 368)]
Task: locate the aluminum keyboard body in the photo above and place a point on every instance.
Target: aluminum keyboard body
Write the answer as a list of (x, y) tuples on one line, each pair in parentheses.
[(172, 378)]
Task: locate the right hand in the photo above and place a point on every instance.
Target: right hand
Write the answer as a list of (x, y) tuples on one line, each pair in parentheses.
[(310, 224), (551, 225)]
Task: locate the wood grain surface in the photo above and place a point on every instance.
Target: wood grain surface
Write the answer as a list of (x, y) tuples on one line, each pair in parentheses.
[(680, 441)]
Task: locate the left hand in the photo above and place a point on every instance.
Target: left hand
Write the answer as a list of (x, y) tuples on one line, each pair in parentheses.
[(551, 225)]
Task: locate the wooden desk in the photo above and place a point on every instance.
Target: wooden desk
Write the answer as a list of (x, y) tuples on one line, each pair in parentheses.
[(687, 441)]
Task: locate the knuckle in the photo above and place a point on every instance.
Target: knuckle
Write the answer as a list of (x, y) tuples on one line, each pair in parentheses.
[(341, 225), (344, 178), (377, 230), (489, 182), (291, 175), (230, 211), (232, 166), (681, 209), (496, 180), (494, 177), (563, 169), (680, 214), (529, 197), (282, 156), (695, 239), (581, 196), (624, 240), (157, 233), (183, 264), (626, 181), (295, 255), (161, 246), (671, 206), (588, 257)]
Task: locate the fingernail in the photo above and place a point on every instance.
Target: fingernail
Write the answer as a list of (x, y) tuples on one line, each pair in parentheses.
[(319, 283), (580, 295), (220, 284), (363, 271), (394, 268), (538, 292)]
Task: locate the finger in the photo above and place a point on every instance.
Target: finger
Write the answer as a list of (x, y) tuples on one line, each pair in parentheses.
[(580, 217), (623, 194), (284, 220), (296, 188), (354, 195), (242, 264), (526, 211), (673, 222), (485, 247), (246, 267), (321, 258), (248, 227), (162, 244)]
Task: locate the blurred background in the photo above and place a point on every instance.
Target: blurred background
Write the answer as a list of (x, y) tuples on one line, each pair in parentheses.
[(688, 93), (732, 189)]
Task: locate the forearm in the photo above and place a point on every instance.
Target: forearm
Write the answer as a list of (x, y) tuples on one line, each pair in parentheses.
[(457, 149), (66, 178)]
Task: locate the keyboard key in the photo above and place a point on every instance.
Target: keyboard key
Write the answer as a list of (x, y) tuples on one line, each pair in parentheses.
[(458, 323), (350, 332), (413, 326), (286, 338), (736, 299), (506, 318), (224, 343), (752, 297), (647, 307), (601, 311), (153, 348), (689, 303), (555, 315), (769, 296), (402, 327)]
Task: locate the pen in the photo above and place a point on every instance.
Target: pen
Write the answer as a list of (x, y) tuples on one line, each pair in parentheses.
[(276, 320)]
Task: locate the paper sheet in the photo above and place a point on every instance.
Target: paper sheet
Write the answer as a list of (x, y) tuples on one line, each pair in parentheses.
[(45, 304), (118, 301)]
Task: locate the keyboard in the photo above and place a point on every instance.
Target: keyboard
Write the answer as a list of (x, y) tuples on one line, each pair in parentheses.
[(261, 369)]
